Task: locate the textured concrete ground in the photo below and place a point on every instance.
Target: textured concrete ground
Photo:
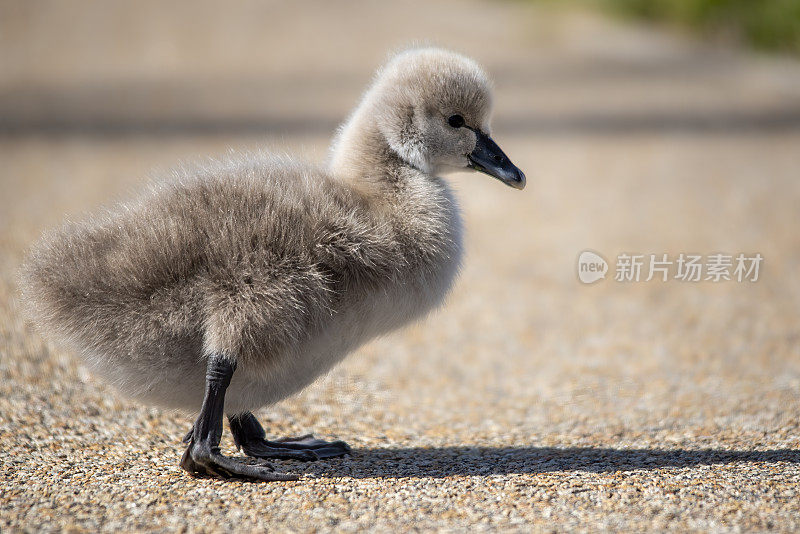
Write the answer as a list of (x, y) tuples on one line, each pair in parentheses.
[(531, 401)]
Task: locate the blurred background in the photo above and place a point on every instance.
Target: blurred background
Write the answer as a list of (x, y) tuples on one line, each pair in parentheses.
[(661, 127)]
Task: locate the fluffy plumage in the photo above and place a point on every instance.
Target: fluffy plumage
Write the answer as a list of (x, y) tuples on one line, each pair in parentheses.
[(280, 265)]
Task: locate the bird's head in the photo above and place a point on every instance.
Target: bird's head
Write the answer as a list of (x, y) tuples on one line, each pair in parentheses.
[(433, 108)]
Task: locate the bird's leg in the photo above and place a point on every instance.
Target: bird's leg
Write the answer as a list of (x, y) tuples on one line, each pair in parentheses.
[(250, 437), (202, 456)]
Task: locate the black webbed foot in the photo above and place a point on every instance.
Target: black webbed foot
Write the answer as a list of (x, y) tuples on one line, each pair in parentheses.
[(200, 459), (249, 436)]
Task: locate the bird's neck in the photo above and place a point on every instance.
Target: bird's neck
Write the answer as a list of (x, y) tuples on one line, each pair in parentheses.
[(361, 156), (418, 206)]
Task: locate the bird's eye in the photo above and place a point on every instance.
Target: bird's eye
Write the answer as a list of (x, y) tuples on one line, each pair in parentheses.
[(456, 121)]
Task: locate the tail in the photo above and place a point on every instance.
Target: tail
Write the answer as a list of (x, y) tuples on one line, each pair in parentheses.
[(57, 285), (41, 290)]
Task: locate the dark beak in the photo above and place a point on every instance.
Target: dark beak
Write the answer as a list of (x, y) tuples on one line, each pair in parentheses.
[(488, 158)]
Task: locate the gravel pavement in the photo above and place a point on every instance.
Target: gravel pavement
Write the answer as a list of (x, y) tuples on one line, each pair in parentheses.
[(530, 402)]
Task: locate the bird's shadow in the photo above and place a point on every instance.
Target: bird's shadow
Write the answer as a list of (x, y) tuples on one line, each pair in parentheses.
[(442, 462)]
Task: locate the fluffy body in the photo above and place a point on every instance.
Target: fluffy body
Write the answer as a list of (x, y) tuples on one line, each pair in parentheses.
[(277, 264)]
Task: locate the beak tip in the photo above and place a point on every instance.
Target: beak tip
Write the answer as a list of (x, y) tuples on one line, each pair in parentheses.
[(519, 181)]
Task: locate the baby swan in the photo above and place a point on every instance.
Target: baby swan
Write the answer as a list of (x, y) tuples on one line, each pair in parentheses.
[(235, 284)]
